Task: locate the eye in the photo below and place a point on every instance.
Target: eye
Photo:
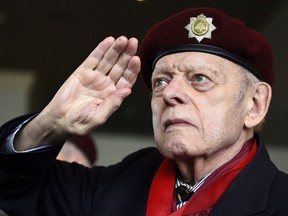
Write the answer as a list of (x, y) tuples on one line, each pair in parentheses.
[(159, 84), (199, 78), (201, 82)]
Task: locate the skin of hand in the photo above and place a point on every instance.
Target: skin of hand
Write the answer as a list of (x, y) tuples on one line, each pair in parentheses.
[(88, 97)]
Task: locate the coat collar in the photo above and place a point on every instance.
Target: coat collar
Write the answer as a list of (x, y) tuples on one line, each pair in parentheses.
[(254, 183)]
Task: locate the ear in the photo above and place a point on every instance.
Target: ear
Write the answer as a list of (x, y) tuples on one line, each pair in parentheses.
[(259, 105)]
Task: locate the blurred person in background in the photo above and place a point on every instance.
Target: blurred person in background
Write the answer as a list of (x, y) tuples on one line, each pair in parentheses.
[(79, 149)]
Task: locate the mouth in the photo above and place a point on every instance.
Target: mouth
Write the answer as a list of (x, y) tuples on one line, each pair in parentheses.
[(176, 123)]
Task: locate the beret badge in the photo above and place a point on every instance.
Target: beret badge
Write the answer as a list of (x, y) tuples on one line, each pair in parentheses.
[(200, 27)]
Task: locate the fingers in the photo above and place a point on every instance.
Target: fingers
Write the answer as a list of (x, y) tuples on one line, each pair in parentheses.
[(120, 66), (113, 58), (130, 74), (97, 54), (106, 54)]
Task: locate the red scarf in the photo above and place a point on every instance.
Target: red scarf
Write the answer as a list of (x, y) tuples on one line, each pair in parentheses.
[(161, 197)]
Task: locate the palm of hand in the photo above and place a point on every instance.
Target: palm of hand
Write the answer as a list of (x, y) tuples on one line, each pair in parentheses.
[(98, 86)]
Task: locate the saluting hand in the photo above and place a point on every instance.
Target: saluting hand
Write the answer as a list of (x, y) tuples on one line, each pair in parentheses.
[(89, 96)]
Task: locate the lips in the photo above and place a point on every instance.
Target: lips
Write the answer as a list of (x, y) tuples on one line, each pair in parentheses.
[(176, 122)]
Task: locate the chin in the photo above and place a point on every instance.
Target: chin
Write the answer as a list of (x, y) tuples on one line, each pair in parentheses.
[(173, 150)]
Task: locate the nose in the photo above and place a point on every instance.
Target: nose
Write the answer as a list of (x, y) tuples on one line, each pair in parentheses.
[(176, 92)]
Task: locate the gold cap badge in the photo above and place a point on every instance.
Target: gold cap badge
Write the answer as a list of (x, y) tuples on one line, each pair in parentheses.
[(200, 27)]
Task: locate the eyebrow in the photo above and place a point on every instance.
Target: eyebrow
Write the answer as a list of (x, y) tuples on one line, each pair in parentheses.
[(193, 67), (187, 67)]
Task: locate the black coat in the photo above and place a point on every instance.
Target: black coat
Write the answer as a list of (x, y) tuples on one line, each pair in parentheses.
[(35, 184)]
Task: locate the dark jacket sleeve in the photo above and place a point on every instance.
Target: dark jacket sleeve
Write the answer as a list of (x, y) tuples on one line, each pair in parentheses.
[(37, 184)]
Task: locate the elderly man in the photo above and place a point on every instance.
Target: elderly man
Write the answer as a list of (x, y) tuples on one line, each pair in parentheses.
[(210, 78)]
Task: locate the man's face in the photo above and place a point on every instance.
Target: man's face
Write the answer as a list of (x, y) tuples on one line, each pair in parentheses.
[(199, 103)]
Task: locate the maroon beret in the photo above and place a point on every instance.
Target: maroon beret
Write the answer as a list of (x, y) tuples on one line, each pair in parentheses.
[(211, 31)]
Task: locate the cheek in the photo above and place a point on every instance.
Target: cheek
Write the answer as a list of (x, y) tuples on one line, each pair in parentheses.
[(155, 114), (226, 121)]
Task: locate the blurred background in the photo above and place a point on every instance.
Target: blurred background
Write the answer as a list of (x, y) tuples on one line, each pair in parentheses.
[(42, 42)]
